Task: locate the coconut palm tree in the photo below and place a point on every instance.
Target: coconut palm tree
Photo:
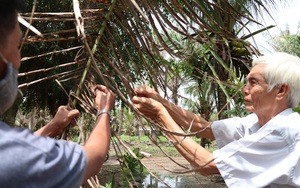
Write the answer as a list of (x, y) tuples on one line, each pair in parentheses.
[(287, 42), (120, 42)]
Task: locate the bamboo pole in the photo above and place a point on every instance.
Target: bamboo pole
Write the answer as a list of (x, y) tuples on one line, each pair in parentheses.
[(92, 51)]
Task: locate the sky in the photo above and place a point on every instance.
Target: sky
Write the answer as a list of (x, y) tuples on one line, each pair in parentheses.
[(285, 16)]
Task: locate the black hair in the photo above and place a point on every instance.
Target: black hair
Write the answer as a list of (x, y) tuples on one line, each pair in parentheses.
[(8, 17)]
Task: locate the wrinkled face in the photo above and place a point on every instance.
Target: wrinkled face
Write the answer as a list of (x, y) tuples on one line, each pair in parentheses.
[(11, 50), (257, 98)]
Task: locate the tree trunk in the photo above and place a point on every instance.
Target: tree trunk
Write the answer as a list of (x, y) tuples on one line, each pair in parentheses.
[(120, 121), (223, 76), (222, 104)]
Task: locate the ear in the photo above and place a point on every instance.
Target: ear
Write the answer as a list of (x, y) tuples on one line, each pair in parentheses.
[(283, 91)]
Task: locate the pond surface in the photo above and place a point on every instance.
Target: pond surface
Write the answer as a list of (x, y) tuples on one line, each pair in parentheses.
[(181, 181), (159, 166)]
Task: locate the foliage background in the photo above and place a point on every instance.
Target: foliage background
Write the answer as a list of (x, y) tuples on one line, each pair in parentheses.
[(195, 53)]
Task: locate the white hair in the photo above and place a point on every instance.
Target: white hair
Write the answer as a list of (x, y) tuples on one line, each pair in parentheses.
[(282, 68)]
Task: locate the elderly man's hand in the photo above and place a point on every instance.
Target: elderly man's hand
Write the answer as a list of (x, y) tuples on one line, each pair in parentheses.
[(146, 91), (149, 107)]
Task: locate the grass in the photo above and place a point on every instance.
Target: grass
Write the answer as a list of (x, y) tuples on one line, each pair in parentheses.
[(144, 138), (144, 144)]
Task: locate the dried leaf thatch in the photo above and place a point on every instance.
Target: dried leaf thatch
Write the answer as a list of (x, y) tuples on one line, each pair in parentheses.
[(121, 44)]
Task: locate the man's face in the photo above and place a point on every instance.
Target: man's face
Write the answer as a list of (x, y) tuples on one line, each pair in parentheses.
[(11, 50), (257, 98)]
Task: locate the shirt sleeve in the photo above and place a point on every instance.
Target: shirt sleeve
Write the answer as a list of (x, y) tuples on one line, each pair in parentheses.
[(229, 130), (255, 161), (36, 161)]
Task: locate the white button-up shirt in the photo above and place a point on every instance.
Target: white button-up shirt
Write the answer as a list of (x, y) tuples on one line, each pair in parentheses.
[(254, 156)]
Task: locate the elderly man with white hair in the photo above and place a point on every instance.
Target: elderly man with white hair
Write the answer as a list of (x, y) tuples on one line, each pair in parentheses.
[(259, 150)]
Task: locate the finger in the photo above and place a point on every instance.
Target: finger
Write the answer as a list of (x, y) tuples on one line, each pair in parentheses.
[(138, 89), (141, 102), (143, 90), (100, 94), (113, 94), (73, 121), (110, 94), (74, 113), (61, 107), (135, 99), (102, 88)]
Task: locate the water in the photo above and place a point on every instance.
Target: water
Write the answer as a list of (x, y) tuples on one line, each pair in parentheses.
[(172, 181), (179, 181)]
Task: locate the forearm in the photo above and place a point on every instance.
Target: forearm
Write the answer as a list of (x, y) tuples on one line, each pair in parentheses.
[(49, 130), (185, 118), (196, 155), (199, 157), (97, 145)]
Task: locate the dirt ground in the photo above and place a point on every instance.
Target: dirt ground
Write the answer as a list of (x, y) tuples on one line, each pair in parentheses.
[(169, 172)]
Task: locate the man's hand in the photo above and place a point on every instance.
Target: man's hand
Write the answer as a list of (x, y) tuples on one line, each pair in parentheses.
[(97, 144), (105, 99), (148, 102), (149, 107), (63, 117), (146, 91)]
